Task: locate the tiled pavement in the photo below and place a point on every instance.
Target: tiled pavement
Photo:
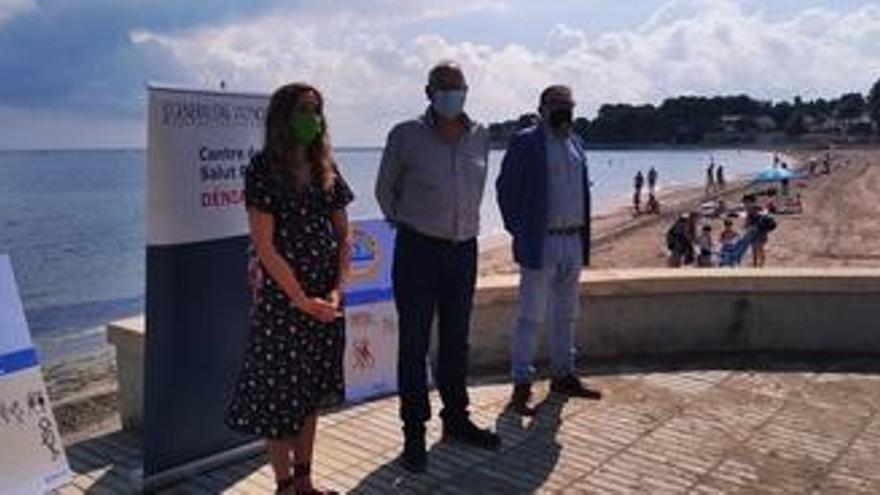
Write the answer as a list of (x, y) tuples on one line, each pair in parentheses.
[(790, 429)]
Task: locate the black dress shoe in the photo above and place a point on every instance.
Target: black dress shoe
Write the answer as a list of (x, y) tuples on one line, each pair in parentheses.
[(519, 401), (414, 457), (468, 433), (571, 386)]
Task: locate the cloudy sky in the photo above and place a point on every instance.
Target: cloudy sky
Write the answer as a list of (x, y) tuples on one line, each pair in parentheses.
[(73, 73)]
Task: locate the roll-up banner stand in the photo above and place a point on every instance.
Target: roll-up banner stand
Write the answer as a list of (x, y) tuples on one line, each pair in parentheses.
[(32, 456), (199, 144)]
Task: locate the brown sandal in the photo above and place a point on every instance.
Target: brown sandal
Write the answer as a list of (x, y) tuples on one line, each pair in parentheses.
[(304, 470)]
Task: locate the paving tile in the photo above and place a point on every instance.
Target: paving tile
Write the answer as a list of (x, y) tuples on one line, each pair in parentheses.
[(702, 432)]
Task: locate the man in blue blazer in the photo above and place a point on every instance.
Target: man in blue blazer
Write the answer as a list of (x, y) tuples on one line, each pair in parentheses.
[(544, 197)]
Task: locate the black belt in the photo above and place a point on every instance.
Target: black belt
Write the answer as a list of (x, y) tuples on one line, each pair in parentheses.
[(566, 231), (406, 230)]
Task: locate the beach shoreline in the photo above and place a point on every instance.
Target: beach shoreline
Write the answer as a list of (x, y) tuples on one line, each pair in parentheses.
[(838, 228)]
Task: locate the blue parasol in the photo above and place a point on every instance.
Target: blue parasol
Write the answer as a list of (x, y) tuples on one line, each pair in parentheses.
[(774, 175)]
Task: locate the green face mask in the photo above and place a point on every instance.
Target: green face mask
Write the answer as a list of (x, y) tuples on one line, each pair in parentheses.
[(305, 127)]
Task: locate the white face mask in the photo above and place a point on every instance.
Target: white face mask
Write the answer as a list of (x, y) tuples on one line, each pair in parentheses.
[(448, 103)]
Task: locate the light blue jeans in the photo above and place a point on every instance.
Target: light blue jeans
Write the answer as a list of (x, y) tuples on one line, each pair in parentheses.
[(550, 294)]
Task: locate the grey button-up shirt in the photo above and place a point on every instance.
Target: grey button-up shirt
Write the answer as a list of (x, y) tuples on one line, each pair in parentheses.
[(565, 169), (431, 185)]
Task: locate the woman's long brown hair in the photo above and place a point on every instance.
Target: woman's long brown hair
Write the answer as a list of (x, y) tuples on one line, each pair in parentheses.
[(279, 146)]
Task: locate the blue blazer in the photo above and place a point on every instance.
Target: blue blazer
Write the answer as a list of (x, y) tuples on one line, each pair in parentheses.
[(523, 197)]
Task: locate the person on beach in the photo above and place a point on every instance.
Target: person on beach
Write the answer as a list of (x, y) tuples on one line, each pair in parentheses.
[(693, 220), (710, 177), (638, 184), (756, 219), (720, 180), (293, 363), (704, 243), (430, 186), (677, 242), (652, 181), (728, 237), (729, 234), (653, 206), (544, 197), (680, 239)]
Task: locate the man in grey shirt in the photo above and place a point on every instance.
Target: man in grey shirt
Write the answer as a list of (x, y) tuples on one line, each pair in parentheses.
[(430, 186)]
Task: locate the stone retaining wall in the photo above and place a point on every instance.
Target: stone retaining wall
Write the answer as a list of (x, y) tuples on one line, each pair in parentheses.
[(630, 313)]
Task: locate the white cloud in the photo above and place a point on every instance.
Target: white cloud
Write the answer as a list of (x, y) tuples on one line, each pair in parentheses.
[(368, 77), (11, 8), (372, 74)]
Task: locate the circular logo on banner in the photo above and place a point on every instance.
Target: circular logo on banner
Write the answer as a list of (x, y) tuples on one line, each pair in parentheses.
[(364, 256)]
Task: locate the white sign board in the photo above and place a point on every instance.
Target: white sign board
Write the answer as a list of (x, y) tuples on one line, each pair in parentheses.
[(32, 458), (200, 144)]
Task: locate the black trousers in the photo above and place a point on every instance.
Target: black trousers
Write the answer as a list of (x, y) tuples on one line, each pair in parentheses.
[(433, 276)]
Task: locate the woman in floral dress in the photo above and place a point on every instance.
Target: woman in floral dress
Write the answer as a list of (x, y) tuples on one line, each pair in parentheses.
[(293, 364)]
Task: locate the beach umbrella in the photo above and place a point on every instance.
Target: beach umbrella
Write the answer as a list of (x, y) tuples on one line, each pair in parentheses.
[(774, 175)]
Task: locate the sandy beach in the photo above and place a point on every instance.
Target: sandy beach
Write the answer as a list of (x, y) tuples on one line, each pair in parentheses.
[(83, 390), (839, 227)]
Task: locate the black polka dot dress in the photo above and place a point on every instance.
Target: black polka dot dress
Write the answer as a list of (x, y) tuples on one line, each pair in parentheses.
[(293, 364)]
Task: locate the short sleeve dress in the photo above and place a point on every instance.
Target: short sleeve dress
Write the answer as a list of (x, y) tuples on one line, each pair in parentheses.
[(293, 364)]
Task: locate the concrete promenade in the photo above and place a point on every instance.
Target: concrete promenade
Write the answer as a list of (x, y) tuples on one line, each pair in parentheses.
[(763, 424)]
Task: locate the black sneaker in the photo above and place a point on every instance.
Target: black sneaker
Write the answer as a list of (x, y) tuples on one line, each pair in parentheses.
[(571, 386), (414, 457), (468, 433)]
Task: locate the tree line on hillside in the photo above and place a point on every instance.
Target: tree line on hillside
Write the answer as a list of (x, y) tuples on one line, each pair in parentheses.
[(695, 120)]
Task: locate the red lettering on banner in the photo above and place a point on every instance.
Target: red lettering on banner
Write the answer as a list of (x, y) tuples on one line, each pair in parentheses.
[(219, 198)]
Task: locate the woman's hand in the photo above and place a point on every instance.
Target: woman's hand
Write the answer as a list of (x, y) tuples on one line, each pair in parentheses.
[(335, 298), (319, 309)]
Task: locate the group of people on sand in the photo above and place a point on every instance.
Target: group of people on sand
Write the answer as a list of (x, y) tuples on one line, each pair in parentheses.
[(652, 206), (690, 240), (429, 187), (715, 183)]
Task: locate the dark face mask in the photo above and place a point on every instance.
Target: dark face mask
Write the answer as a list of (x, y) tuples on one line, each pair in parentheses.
[(560, 118)]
